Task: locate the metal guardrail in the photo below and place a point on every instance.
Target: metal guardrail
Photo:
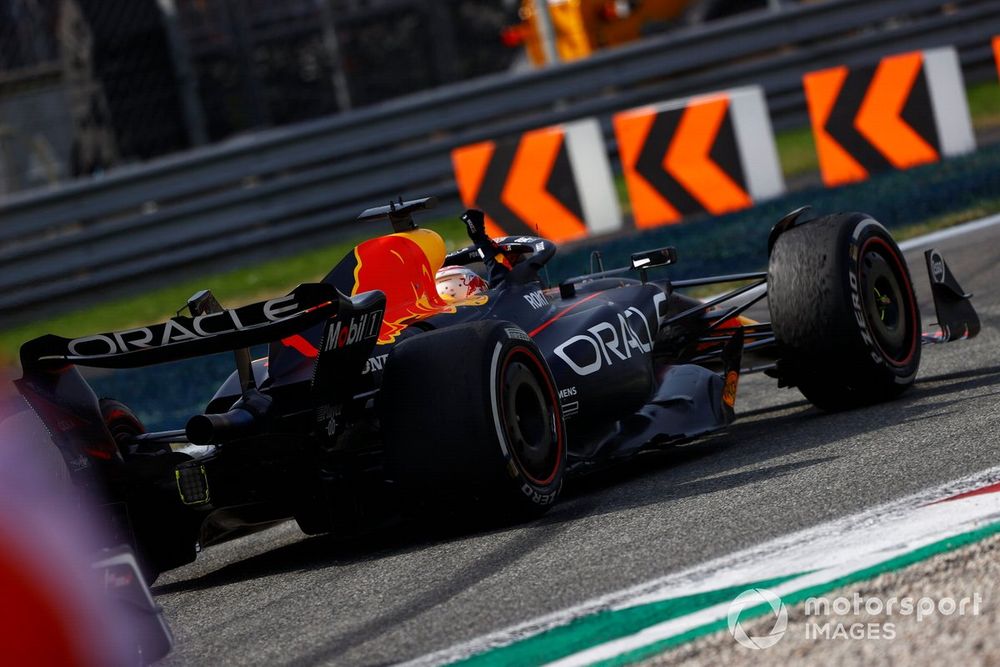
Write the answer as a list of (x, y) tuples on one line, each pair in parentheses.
[(297, 184)]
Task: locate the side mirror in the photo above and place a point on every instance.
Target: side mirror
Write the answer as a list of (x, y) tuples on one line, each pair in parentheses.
[(648, 259)]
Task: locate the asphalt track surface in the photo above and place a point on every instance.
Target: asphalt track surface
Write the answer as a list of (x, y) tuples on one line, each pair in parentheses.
[(279, 597)]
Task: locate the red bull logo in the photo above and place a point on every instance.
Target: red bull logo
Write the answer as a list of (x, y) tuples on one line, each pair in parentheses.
[(402, 266)]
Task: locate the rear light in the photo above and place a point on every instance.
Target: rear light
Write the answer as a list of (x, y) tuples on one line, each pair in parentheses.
[(192, 483)]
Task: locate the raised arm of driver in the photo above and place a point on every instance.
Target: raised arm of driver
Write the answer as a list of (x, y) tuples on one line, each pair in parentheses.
[(497, 263)]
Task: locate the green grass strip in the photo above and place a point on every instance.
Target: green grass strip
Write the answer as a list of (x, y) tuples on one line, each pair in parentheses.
[(984, 105)]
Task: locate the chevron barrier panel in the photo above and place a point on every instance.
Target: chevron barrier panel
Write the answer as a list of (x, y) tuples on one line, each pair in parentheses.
[(707, 154), (716, 153), (554, 182), (996, 52), (907, 110)]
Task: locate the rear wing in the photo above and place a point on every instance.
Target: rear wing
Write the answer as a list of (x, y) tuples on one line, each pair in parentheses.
[(186, 337), (62, 398)]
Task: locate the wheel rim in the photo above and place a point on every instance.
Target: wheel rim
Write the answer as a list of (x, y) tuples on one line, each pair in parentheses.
[(529, 420), (887, 301)]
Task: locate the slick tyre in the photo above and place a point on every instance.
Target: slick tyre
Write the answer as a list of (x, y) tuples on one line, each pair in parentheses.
[(124, 424), (844, 313), (157, 549), (471, 415)]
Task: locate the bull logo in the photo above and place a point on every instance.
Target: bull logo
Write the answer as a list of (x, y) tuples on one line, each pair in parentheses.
[(402, 266)]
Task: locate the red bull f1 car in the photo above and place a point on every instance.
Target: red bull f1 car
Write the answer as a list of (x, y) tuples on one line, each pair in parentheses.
[(343, 421)]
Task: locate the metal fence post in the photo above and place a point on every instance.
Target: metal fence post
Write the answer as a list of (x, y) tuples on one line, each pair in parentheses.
[(546, 33), (341, 87), (187, 83), (256, 105)]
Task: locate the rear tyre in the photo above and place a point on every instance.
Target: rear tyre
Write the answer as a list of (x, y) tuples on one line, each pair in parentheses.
[(157, 549), (472, 413), (124, 425), (844, 312)]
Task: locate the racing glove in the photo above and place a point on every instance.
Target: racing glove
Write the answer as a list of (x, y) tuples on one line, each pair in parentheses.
[(497, 263), (475, 223)]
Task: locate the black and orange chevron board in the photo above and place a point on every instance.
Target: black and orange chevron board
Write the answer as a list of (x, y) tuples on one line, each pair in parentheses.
[(708, 154), (554, 182), (907, 110), (996, 52)]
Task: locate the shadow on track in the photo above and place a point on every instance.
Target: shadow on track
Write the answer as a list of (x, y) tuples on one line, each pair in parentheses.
[(752, 449), (749, 453)]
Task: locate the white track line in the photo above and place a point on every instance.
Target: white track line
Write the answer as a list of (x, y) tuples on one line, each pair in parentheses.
[(950, 232), (823, 545), (827, 561), (923, 241)]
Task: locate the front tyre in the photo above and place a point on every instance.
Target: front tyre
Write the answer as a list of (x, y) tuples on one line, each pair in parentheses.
[(472, 413), (844, 313)]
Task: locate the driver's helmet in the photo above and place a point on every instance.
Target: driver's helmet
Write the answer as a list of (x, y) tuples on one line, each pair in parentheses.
[(457, 283)]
